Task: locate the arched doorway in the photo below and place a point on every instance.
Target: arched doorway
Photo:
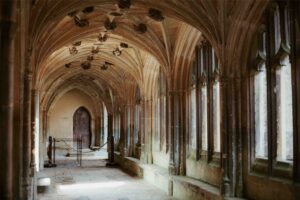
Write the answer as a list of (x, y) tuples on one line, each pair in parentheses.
[(81, 126)]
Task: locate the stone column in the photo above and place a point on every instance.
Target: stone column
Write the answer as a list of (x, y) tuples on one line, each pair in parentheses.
[(175, 123), (102, 129), (123, 132), (97, 130), (34, 132), (176, 165), (7, 31), (146, 119), (27, 135), (224, 119), (142, 132), (110, 141), (43, 136), (131, 127), (139, 142)]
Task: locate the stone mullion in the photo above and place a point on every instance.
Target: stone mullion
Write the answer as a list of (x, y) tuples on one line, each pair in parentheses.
[(271, 96), (210, 128), (295, 61)]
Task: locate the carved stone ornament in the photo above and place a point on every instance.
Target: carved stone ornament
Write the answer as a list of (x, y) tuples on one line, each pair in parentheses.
[(258, 61), (86, 65), (204, 42), (95, 50), (104, 67), (102, 37), (78, 43), (203, 79), (108, 63), (73, 50), (116, 14), (68, 65), (72, 14), (124, 4), (216, 75), (81, 22), (141, 28), (90, 58), (117, 52), (88, 9), (110, 25), (123, 45), (155, 14)]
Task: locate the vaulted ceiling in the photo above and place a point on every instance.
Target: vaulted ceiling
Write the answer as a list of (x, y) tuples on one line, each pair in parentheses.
[(111, 47)]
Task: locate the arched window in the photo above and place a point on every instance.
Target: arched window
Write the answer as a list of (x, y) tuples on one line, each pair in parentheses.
[(204, 104), (272, 105)]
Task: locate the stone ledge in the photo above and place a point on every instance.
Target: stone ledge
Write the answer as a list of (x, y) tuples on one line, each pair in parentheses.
[(129, 164), (157, 176), (192, 189), (156, 169)]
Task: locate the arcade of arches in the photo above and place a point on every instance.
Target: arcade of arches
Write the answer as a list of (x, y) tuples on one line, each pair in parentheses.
[(199, 97)]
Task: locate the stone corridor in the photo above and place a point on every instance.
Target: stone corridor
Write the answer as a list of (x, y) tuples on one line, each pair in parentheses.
[(94, 181), (199, 99)]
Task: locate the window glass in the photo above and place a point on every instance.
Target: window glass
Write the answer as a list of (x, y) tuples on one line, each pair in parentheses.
[(260, 102)]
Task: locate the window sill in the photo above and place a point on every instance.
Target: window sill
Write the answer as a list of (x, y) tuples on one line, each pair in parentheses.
[(260, 166), (283, 170), (216, 158)]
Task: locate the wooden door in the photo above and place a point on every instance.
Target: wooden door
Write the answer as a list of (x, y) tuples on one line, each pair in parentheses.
[(81, 126)]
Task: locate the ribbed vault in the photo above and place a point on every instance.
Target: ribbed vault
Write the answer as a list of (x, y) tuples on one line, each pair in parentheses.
[(94, 29)]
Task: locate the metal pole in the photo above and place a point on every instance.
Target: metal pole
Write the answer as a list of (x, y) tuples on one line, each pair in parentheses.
[(54, 151)]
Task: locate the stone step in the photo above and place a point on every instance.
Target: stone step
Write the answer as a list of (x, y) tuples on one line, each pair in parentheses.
[(43, 184)]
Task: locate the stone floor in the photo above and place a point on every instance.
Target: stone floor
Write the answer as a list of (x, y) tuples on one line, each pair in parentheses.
[(94, 181)]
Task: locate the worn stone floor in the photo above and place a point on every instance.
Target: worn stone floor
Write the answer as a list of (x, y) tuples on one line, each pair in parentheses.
[(94, 181)]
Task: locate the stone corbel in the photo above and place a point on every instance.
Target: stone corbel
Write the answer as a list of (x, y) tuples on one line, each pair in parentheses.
[(203, 79)]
